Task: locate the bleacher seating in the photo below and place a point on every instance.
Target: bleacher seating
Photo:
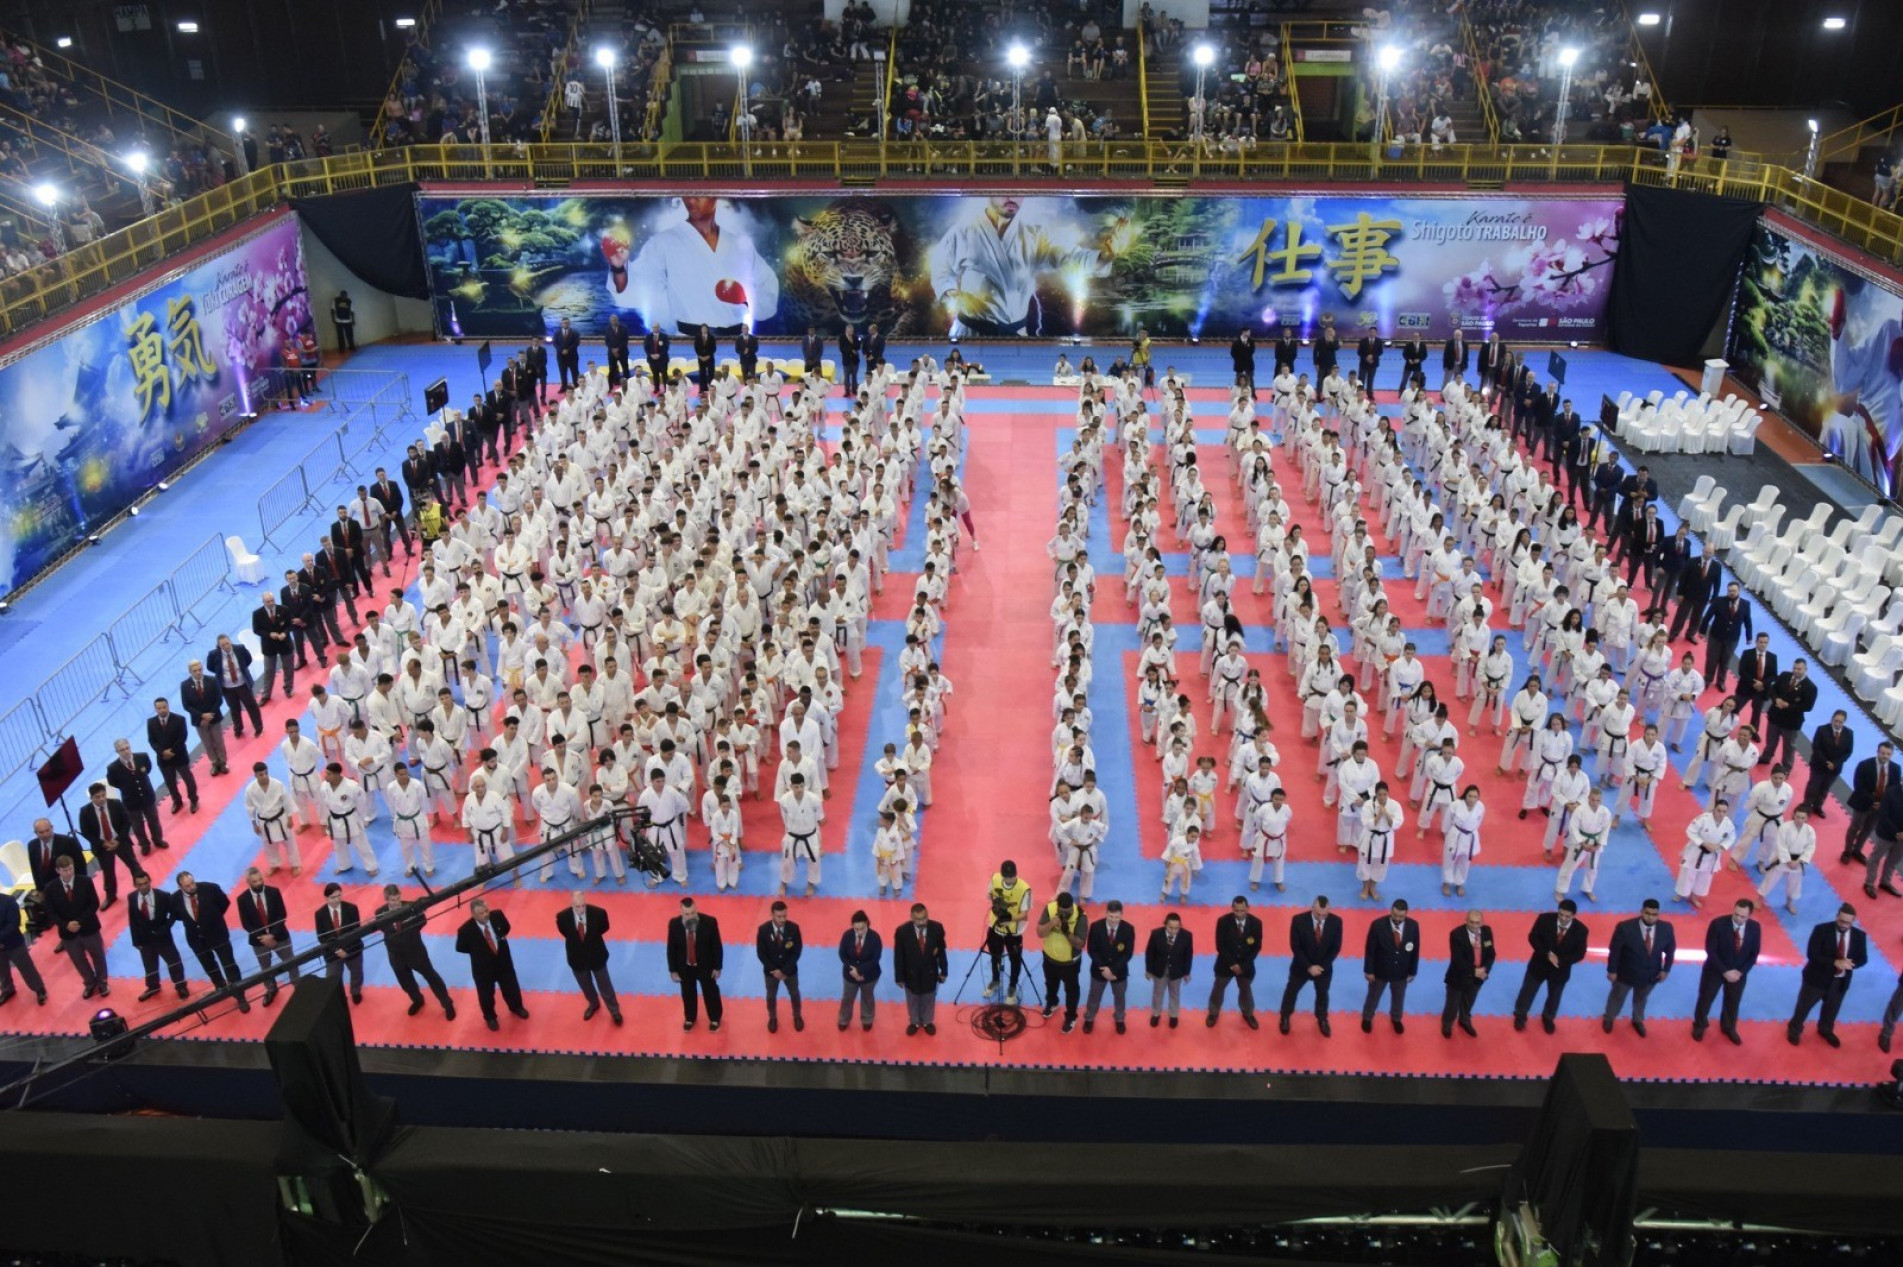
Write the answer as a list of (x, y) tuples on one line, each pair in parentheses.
[(434, 95)]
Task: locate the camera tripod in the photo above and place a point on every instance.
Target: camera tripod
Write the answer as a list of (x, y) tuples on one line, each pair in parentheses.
[(1025, 979)]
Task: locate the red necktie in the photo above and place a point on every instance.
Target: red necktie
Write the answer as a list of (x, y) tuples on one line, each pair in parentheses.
[(1648, 941), (192, 902), (1843, 941), (489, 935), (1737, 940), (921, 939), (581, 926), (1883, 776), (1476, 941), (692, 959), (105, 825)]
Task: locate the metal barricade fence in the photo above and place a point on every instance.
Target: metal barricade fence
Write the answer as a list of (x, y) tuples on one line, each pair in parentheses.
[(23, 734), (75, 686), (204, 571), (148, 621), (291, 495)]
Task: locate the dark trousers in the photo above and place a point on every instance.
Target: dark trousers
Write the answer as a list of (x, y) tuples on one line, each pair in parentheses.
[(598, 988), (997, 945), (1809, 996), (657, 372), (109, 860), (346, 335), (1780, 737), (1297, 978), (1530, 987), (1711, 981), (1460, 1003), (19, 959), (488, 983), (1667, 586), (407, 973), (568, 364), (165, 950), (1817, 786), (275, 666), (396, 526), (1862, 822), (218, 962), (1396, 990), (335, 968), (1689, 616), (1636, 562), (1718, 656), (850, 377), (242, 702), (694, 987), (1062, 975), (773, 988), (282, 952), (88, 953), (145, 828), (617, 365), (175, 775)]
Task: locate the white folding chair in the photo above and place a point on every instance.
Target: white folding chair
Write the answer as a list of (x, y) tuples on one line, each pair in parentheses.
[(1690, 502), (247, 567)]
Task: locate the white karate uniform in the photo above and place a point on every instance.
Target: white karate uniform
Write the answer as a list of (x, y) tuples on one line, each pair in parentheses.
[(801, 817), (344, 812), (1791, 852), (1707, 839), (489, 819), (269, 808), (1585, 847), (409, 804), (1462, 844)]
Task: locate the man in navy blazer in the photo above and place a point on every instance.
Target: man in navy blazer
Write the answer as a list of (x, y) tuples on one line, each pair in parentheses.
[(1558, 941), (149, 918), (1835, 951), (1638, 958), (1470, 956), (1390, 959), (1110, 944), (1870, 782), (1167, 958), (859, 951), (1731, 951), (1314, 940)]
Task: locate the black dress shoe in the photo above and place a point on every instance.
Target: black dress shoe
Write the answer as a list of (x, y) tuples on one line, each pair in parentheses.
[(40, 998), (1155, 1021), (1883, 1040), (1400, 1027), (93, 989), (1172, 1019), (243, 1005), (1322, 1021), (1282, 1023), (1090, 1027), (588, 1013), (1121, 1028), (1446, 1031), (416, 1005), (163, 844), (1546, 1023), (1732, 1034), (799, 1022), (1698, 1032), (1638, 1027), (1519, 1022), (615, 1017), (1795, 1034), (1870, 891), (1888, 886), (1467, 1028), (150, 993), (1249, 1020), (110, 899), (910, 1030), (1209, 1021), (495, 1024), (931, 1030), (713, 1027), (843, 1025), (449, 1011), (522, 1014), (1605, 1023), (1367, 1025), (772, 1025), (1830, 1036), (270, 997)]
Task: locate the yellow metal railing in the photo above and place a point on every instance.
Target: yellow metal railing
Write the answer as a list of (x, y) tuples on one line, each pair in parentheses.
[(1143, 79), (1481, 86), (1636, 53), (1845, 143), (1288, 77), (424, 17), (891, 82), (558, 71), (77, 152), (122, 99), (120, 257)]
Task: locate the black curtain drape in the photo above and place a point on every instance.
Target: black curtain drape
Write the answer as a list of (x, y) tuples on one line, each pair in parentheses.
[(374, 233), (1679, 256)]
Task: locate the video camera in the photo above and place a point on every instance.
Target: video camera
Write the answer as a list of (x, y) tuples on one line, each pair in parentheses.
[(644, 856)]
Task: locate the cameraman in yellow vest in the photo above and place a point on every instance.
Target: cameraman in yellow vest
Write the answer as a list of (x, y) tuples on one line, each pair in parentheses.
[(1010, 907), (1063, 928)]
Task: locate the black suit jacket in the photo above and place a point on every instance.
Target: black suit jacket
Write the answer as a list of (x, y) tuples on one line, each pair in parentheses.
[(1830, 749), (567, 346), (920, 968), (168, 734), (1384, 959), (1545, 939), (81, 907), (781, 953), (198, 701), (43, 858), (1626, 960), (116, 815), (339, 934), (389, 495), (486, 964), (209, 929), (1863, 784), (1167, 962), (1106, 952), (1238, 947), (1675, 553), (1749, 670), (346, 536), (1453, 355), (590, 950), (1820, 955), (273, 629), (1460, 955), (403, 939), (1310, 951), (709, 954), (134, 786), (156, 931), (1701, 583), (262, 914), (864, 958), (1725, 952), (655, 345), (1792, 700)]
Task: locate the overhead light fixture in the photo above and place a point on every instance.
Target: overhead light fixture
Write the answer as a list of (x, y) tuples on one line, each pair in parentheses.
[(47, 194), (1390, 57), (1017, 57), (1812, 125), (1649, 19), (64, 41), (480, 59), (1835, 24), (1568, 56), (1205, 56), (404, 24), (188, 27), (741, 56), (605, 58)]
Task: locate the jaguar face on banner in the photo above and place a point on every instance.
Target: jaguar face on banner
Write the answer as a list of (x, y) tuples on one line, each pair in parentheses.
[(1822, 343), (1021, 266), (94, 417)]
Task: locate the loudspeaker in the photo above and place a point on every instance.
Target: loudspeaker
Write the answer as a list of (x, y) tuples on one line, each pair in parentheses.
[(1571, 1196), (334, 1128)]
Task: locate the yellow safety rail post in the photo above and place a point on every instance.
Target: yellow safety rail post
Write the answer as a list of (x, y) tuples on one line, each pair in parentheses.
[(885, 98), (1288, 76), (1636, 52), (1143, 78), (1481, 86), (424, 17), (120, 97), (1850, 139), (552, 108), (77, 151)]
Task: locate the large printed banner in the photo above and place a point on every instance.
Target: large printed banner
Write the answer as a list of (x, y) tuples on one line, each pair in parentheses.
[(92, 419), (1033, 266), (1822, 343)]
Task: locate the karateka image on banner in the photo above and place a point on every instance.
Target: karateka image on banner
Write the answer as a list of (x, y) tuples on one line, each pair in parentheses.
[(698, 266), (1864, 413), (985, 270)]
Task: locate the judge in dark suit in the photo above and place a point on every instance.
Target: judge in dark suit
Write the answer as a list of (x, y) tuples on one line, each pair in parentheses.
[(229, 665), (1558, 940), (1413, 356), (1491, 353), (1835, 951), (1726, 620), (1242, 359), (1390, 959), (73, 905), (746, 350), (1109, 946), (203, 701), (130, 775), (149, 919), (328, 574), (1470, 955), (348, 546), (1368, 358), (777, 944), (1644, 547), (920, 966), (294, 600), (694, 958), (16, 955), (535, 361), (1757, 676), (395, 523), (1638, 958), (484, 937), (568, 354), (1886, 845), (1326, 349), (584, 932), (1731, 951), (859, 950), (813, 353), (1874, 778), (1238, 942), (107, 829), (1675, 555), (266, 924), (706, 348), (849, 360), (655, 347), (615, 337), (46, 849), (337, 924), (409, 956), (1314, 939), (1831, 746), (1287, 348), (1700, 584), (874, 343), (1453, 354), (1167, 959), (271, 625), (1793, 695)]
